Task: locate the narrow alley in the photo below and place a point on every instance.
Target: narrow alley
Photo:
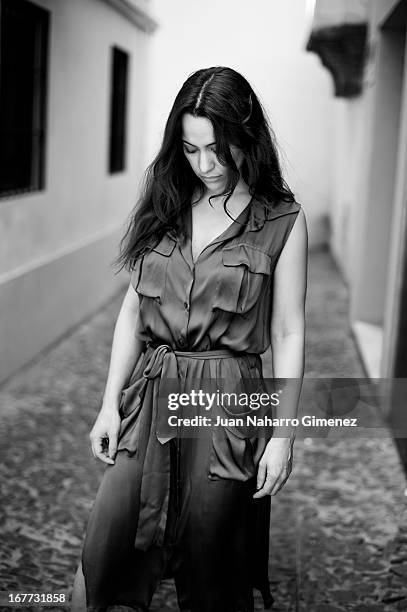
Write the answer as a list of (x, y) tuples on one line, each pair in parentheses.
[(338, 528)]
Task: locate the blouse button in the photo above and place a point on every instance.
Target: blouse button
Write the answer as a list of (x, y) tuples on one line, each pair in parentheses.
[(186, 305), (181, 341)]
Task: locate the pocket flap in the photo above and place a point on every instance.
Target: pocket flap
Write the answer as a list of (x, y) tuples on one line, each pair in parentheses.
[(248, 255)]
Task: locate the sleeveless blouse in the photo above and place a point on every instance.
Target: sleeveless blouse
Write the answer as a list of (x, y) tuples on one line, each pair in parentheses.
[(224, 299), (203, 320)]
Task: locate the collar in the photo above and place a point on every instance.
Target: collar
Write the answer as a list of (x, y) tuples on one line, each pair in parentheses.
[(257, 215), (260, 213)]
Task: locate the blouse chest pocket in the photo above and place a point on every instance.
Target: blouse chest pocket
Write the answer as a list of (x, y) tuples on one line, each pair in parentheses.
[(244, 270), (152, 279)]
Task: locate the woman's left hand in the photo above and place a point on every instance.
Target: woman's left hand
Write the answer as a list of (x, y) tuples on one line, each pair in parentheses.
[(274, 467)]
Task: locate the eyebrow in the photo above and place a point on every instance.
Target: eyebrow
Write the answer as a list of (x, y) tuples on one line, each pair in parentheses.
[(192, 145)]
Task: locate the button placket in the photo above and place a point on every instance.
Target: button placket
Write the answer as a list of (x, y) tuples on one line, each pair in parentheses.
[(182, 339)]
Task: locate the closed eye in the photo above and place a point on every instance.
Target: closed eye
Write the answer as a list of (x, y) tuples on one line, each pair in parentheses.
[(191, 151)]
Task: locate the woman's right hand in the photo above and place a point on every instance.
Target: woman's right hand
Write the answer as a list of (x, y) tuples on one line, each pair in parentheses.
[(105, 433)]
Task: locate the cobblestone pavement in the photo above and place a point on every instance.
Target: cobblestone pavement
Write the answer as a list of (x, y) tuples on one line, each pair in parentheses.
[(338, 528)]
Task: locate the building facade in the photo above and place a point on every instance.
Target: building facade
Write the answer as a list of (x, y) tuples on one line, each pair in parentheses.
[(73, 95), (363, 44), (266, 44), (369, 216)]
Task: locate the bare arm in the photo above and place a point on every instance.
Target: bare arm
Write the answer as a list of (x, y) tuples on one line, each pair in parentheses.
[(288, 320), (126, 350), (287, 343)]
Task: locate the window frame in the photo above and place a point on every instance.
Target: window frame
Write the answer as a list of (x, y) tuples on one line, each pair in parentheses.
[(118, 113), (37, 131)]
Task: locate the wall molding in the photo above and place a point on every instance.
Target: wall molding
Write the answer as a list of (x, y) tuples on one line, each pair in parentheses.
[(134, 11), (44, 260), (342, 49), (38, 308)]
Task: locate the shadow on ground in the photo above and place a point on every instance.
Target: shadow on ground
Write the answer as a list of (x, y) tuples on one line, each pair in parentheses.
[(338, 528)]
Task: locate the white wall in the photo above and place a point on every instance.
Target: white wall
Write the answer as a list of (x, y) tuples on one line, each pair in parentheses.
[(265, 41), (349, 169), (80, 199), (56, 245)]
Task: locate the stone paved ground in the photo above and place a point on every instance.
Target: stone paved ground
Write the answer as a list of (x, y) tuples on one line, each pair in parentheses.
[(338, 528)]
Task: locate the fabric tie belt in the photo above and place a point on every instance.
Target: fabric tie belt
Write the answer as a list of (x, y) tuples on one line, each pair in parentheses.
[(144, 432)]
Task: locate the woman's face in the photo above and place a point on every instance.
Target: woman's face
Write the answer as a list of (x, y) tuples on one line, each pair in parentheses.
[(199, 146)]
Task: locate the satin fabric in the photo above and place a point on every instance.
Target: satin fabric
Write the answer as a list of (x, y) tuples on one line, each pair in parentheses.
[(166, 506), (144, 431)]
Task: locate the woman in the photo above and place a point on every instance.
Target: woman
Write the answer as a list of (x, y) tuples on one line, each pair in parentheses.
[(217, 250)]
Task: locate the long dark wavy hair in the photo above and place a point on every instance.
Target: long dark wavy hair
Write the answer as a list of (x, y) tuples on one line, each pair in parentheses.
[(223, 96)]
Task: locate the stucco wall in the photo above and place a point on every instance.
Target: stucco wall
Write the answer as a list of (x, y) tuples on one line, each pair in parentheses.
[(265, 41), (56, 245), (80, 197)]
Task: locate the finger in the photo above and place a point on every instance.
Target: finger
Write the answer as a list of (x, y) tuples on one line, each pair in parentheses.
[(280, 482), (94, 449), (96, 441), (92, 445), (103, 458), (265, 490), (261, 476), (97, 445), (99, 452), (276, 486), (280, 486), (112, 446)]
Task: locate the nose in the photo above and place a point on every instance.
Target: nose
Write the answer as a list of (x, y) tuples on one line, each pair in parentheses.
[(206, 162)]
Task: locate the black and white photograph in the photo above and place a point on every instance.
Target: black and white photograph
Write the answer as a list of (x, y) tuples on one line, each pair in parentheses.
[(203, 305)]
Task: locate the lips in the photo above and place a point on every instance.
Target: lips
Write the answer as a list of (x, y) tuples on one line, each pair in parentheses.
[(210, 178)]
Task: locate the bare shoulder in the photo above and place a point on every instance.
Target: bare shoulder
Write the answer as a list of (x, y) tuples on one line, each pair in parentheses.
[(131, 299), (296, 245), (300, 226), (290, 279)]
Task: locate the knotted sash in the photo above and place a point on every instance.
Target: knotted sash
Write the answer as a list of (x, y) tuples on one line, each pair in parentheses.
[(144, 433)]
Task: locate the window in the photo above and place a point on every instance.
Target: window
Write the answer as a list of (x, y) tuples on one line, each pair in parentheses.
[(117, 142), (23, 71)]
